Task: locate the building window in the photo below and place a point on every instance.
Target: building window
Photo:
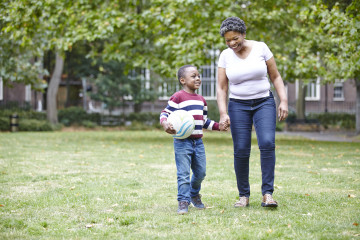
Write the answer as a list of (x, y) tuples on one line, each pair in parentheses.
[(338, 91), (207, 88), (28, 93), (313, 91), (208, 82), (1, 89)]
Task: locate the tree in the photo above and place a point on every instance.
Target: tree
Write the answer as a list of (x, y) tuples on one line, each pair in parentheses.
[(307, 38), (17, 62), (57, 26), (341, 31), (110, 85)]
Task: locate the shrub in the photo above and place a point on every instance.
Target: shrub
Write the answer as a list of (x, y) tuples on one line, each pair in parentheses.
[(33, 115), (147, 118), (291, 117), (280, 126), (213, 111), (72, 115), (94, 117), (77, 116), (344, 120), (23, 114), (26, 118), (88, 124), (4, 124), (34, 125)]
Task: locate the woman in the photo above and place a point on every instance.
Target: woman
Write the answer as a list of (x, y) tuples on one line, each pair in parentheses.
[(242, 70)]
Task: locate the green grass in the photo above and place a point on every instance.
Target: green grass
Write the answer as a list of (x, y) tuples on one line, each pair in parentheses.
[(122, 185)]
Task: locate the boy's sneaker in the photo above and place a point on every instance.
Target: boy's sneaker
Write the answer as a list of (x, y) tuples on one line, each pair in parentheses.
[(268, 201), (243, 202), (196, 201), (183, 207)]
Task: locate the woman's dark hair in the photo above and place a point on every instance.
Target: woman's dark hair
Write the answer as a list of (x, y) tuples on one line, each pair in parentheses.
[(232, 24), (182, 70)]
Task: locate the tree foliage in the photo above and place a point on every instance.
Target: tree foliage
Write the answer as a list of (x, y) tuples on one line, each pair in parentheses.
[(309, 39)]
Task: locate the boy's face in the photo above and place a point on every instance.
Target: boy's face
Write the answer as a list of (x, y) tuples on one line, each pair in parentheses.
[(191, 81)]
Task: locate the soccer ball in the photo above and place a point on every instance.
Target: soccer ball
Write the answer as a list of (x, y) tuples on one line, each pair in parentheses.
[(183, 122)]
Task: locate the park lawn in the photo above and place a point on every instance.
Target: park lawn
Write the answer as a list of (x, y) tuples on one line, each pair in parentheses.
[(122, 185)]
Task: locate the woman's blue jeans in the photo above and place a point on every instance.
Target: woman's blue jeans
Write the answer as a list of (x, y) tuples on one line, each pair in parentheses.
[(243, 115), (189, 154)]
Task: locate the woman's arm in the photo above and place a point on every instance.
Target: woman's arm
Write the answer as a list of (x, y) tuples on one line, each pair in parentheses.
[(222, 92), (278, 83)]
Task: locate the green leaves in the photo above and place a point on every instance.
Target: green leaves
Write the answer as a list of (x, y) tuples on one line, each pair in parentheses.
[(308, 39), (33, 26)]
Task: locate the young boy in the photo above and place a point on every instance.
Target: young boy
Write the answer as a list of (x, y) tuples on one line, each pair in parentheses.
[(189, 152)]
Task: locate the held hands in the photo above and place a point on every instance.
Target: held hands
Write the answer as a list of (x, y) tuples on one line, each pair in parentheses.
[(168, 127), (224, 122)]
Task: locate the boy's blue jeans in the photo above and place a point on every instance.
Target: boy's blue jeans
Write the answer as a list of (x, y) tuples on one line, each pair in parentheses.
[(189, 154), (243, 115)]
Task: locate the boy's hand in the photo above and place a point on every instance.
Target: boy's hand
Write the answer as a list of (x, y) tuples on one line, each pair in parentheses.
[(224, 123), (168, 127)]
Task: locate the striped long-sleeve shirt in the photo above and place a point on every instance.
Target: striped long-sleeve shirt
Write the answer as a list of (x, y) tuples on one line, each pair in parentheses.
[(196, 105)]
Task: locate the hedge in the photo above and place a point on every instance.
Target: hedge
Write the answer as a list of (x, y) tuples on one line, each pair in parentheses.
[(76, 116), (343, 120), (35, 125)]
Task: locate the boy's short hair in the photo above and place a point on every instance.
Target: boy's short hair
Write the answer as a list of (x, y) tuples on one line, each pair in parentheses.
[(232, 24), (182, 70)]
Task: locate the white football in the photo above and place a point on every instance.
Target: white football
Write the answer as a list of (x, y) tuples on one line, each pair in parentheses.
[(183, 122)]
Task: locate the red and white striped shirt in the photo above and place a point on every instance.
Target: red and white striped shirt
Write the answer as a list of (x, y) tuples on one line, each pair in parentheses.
[(196, 105)]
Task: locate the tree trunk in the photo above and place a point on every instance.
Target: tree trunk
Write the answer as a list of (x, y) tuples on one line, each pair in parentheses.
[(357, 82), (51, 107), (300, 102)]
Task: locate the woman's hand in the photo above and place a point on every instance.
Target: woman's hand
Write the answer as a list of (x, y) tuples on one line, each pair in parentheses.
[(224, 122), (283, 110)]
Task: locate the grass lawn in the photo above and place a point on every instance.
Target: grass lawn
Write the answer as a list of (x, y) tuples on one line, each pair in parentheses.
[(122, 185)]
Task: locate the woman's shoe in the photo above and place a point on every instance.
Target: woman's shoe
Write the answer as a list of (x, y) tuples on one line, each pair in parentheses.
[(268, 201), (243, 202)]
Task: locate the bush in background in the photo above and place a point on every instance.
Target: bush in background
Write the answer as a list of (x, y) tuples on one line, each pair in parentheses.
[(331, 120), (77, 116), (25, 114), (148, 118), (88, 124), (328, 120), (29, 120), (35, 125), (4, 124), (213, 111)]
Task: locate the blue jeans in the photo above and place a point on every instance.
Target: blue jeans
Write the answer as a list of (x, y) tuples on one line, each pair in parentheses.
[(189, 154), (243, 115)]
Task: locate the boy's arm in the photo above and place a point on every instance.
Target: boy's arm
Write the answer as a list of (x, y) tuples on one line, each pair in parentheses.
[(168, 127), (208, 123)]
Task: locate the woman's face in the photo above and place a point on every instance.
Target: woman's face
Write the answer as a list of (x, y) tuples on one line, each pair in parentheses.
[(235, 40)]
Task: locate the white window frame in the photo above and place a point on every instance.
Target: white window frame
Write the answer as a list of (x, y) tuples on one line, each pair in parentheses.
[(28, 93), (315, 91), (210, 79), (1, 89), (339, 83)]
